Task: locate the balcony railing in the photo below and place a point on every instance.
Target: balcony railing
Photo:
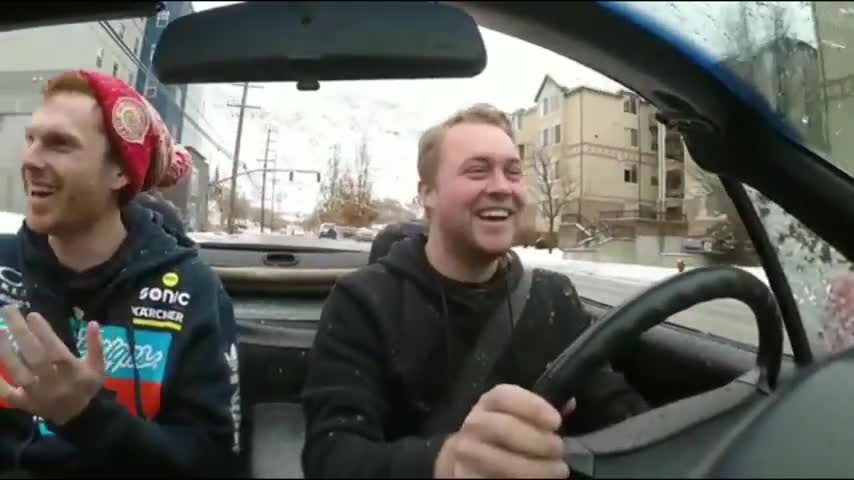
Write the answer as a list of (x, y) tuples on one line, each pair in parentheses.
[(645, 214)]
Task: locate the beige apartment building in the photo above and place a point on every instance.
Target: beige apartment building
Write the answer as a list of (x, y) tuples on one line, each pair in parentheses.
[(609, 146), (834, 24)]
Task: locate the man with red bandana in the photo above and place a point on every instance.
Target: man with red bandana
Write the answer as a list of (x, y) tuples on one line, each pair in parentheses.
[(117, 344)]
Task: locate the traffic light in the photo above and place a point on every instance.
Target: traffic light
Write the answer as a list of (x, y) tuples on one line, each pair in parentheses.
[(291, 176), (318, 177)]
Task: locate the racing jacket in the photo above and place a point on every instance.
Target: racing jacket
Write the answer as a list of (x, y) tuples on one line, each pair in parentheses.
[(171, 407)]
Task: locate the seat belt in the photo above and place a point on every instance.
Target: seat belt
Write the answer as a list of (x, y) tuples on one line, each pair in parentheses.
[(470, 384)]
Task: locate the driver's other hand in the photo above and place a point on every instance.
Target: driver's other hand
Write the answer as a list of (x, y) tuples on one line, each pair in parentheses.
[(510, 433)]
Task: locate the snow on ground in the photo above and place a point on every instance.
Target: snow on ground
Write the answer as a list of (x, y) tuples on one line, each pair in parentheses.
[(10, 222), (639, 274)]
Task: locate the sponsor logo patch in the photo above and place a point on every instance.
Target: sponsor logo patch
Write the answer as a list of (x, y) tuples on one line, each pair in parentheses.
[(131, 121), (165, 295), (11, 288), (157, 318), (171, 279), (151, 354), (234, 379)]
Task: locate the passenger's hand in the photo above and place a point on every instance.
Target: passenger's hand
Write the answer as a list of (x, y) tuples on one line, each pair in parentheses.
[(50, 381), (510, 433)]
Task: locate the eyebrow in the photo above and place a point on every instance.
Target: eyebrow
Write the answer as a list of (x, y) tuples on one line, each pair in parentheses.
[(54, 134)]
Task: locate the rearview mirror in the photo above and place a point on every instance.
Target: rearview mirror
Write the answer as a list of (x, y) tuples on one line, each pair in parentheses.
[(308, 42)]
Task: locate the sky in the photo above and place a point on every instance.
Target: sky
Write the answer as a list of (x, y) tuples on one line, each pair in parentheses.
[(391, 114)]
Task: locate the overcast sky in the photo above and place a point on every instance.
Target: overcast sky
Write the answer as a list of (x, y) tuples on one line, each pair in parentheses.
[(514, 71)]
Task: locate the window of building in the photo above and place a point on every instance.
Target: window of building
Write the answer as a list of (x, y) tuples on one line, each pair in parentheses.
[(150, 89), (544, 110), (630, 174), (544, 138), (653, 180), (115, 70), (136, 47), (122, 30), (517, 122), (162, 19), (556, 134), (556, 174), (633, 136), (99, 58), (630, 105), (522, 151)]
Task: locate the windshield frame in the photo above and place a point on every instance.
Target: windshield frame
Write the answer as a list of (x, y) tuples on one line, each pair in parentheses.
[(796, 329)]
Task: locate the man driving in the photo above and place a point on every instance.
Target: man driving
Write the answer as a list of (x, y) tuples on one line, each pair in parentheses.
[(389, 368), (117, 348)]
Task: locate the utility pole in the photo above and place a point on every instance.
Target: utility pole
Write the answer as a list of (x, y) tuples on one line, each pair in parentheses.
[(270, 130), (273, 205), (236, 163)]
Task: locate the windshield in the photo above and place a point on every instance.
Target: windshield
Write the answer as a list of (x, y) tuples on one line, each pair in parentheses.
[(616, 201), (800, 57)]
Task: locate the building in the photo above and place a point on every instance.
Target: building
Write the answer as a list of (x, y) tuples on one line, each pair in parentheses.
[(168, 100), (31, 56), (606, 147), (787, 73), (833, 25)]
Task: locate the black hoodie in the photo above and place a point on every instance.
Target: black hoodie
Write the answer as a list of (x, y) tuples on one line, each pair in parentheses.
[(170, 408), (391, 337)]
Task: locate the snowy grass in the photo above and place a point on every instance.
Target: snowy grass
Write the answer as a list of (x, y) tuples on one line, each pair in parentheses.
[(640, 274)]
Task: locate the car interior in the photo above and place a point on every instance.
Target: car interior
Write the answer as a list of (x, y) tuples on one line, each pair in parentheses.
[(721, 409)]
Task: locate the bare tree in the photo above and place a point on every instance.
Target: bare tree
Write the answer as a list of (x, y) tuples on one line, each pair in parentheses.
[(364, 182), (553, 188), (330, 189)]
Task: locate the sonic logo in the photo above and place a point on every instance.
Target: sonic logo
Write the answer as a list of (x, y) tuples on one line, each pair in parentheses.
[(165, 295)]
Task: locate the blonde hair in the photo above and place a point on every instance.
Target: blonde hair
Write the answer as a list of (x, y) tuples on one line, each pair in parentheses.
[(68, 82), (431, 139)]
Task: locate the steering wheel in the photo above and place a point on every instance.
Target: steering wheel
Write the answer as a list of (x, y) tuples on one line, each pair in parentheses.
[(624, 325)]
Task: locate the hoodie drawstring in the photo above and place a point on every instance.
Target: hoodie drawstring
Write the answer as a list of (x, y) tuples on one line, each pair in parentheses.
[(137, 383)]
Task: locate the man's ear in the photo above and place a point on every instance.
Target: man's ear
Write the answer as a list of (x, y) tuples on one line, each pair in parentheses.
[(427, 194), (118, 178)]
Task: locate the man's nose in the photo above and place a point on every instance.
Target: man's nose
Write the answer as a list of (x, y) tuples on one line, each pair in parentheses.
[(498, 183), (32, 157)]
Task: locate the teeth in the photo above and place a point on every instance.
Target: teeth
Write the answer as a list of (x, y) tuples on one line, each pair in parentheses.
[(496, 213)]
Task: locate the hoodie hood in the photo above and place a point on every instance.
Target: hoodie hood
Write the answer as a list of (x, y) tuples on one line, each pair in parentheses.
[(464, 308), (54, 290), (408, 258), (148, 246)]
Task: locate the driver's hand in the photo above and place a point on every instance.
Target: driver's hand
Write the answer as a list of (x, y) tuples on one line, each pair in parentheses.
[(510, 433)]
